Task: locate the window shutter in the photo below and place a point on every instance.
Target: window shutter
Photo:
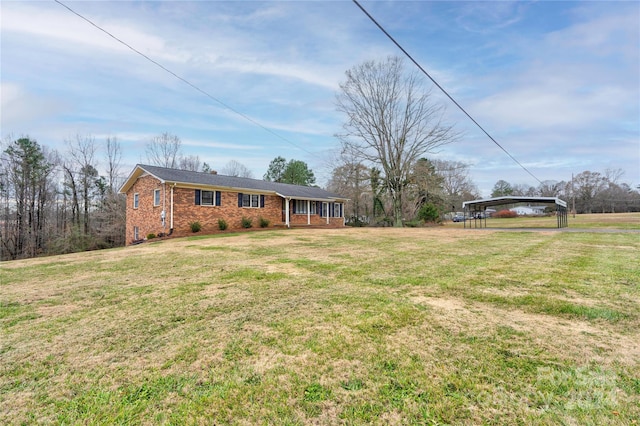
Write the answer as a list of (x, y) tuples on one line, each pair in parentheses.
[(340, 215), (218, 201), (293, 206), (197, 197), (319, 207), (261, 200), (239, 199)]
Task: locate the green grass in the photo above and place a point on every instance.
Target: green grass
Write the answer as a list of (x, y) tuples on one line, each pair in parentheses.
[(351, 326)]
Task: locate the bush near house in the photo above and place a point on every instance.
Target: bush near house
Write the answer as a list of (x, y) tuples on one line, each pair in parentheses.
[(195, 226)]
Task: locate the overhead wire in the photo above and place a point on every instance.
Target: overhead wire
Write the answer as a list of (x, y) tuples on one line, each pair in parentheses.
[(443, 90), (205, 93)]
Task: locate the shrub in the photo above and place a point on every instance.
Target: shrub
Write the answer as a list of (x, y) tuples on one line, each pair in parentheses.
[(195, 226), (247, 222), (429, 213), (222, 224), (151, 236), (385, 221), (502, 214), (355, 222), (264, 222), (412, 223)]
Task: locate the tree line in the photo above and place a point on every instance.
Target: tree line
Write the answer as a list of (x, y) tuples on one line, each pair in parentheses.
[(53, 203), (586, 192)]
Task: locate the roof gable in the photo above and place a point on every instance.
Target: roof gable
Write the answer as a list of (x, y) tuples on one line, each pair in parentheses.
[(189, 178)]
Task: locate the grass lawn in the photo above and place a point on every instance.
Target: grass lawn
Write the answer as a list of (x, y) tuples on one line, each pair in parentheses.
[(310, 326)]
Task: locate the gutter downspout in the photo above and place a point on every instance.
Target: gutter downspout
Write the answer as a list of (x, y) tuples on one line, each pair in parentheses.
[(171, 214), (164, 205)]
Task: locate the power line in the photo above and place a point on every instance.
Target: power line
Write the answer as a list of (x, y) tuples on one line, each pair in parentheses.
[(443, 90), (246, 117)]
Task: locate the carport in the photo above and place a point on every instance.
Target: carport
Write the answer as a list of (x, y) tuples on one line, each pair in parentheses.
[(476, 209)]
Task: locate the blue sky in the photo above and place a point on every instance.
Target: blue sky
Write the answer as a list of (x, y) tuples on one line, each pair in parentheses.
[(556, 83)]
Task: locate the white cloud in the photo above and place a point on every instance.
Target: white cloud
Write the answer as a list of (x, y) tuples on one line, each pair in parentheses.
[(20, 108), (54, 26)]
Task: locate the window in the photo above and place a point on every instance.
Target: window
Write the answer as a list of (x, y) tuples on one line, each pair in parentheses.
[(136, 200), (208, 198), (156, 197), (337, 209), (136, 232), (301, 207), (250, 200), (324, 212)]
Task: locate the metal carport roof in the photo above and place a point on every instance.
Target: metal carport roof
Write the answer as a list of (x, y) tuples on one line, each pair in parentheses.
[(499, 201), (481, 205)]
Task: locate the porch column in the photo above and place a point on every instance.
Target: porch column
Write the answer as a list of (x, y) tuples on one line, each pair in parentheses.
[(308, 212), (327, 204), (286, 212)]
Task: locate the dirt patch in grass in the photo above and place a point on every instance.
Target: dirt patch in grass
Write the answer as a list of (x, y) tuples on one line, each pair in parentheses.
[(576, 340)]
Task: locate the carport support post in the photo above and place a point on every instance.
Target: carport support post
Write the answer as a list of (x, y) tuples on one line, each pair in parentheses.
[(464, 217)]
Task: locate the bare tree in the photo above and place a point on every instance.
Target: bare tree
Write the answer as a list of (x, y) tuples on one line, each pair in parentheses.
[(190, 162), (457, 185), (524, 190), (109, 218), (83, 173), (550, 188), (351, 179), (613, 175), (235, 168), (392, 121), (113, 156), (588, 185), (164, 150)]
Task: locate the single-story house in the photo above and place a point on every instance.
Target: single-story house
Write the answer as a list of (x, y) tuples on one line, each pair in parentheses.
[(166, 201), (528, 210)]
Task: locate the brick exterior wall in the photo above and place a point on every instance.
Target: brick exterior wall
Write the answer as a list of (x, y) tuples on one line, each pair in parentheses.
[(147, 217)]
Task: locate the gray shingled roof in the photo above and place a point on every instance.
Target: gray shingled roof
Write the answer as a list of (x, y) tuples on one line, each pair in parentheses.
[(208, 179)]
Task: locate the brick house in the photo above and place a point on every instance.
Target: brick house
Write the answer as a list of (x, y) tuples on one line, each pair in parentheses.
[(166, 201)]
